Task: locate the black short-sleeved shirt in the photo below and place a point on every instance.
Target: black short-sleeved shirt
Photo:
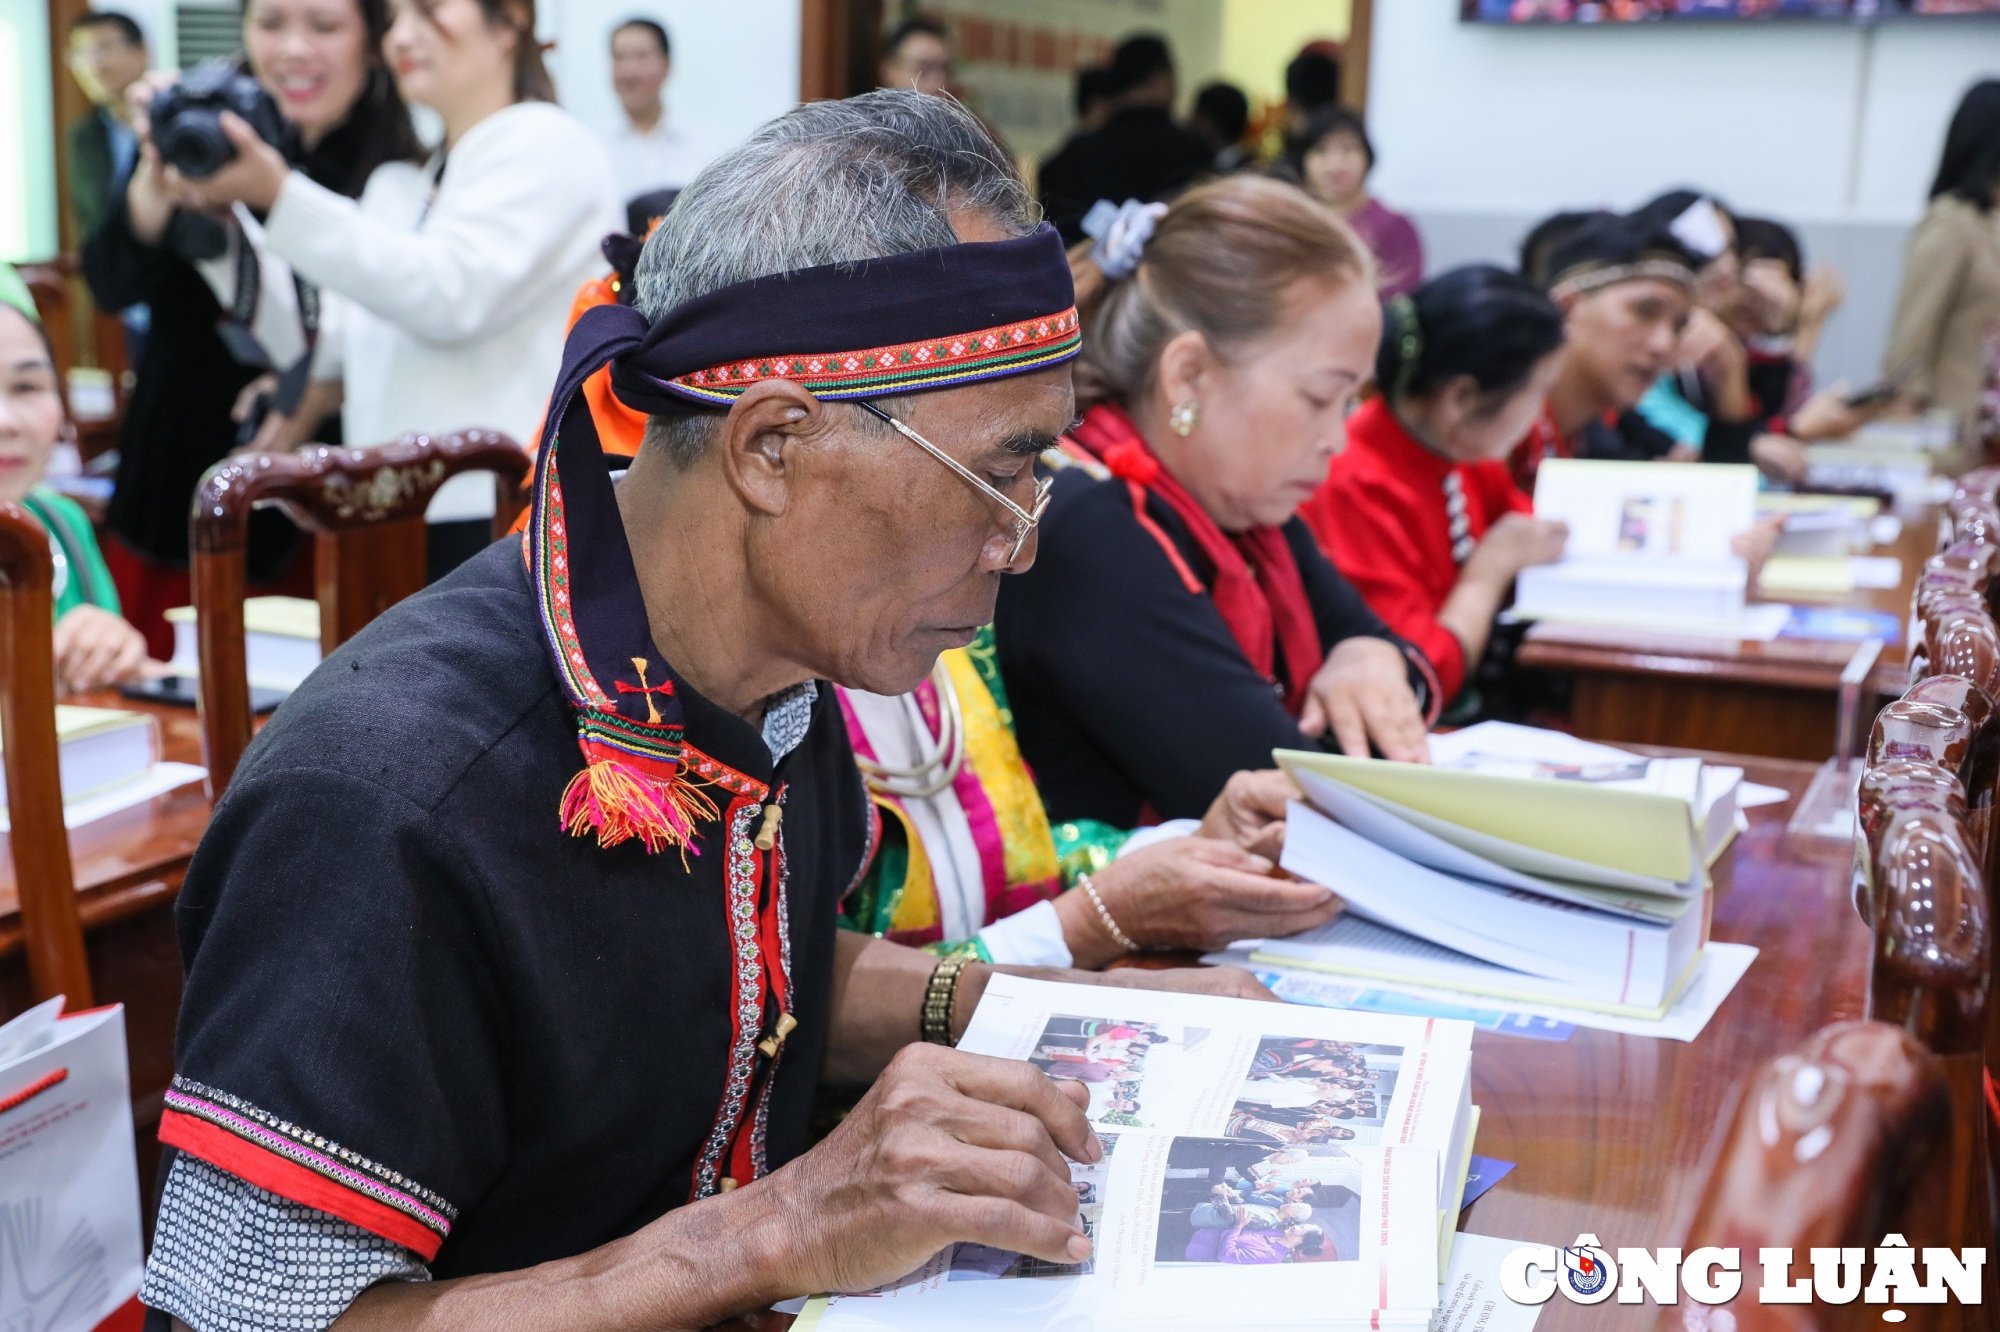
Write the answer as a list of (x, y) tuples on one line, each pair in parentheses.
[(415, 1002), (1129, 694)]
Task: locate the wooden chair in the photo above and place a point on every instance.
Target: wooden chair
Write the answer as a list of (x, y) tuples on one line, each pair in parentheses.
[(43, 875), (1838, 1144), (365, 508), (1933, 976), (56, 287)]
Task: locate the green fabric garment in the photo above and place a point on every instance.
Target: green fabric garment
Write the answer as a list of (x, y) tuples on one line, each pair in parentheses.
[(81, 578), (14, 292), (1082, 847)]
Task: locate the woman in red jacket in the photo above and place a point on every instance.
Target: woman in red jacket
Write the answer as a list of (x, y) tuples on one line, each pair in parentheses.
[(1419, 512)]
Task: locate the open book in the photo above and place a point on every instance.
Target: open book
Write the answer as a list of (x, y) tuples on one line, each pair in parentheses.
[(1648, 545), (280, 641), (100, 749), (1523, 864), (1265, 1166)]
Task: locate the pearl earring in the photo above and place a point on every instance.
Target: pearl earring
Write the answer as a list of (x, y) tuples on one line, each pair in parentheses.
[(1184, 417)]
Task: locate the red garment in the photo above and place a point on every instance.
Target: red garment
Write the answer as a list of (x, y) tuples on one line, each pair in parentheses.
[(1382, 519), (1543, 441), (1257, 585)]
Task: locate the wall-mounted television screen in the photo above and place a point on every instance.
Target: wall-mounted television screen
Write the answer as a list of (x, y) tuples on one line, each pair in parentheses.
[(1675, 11)]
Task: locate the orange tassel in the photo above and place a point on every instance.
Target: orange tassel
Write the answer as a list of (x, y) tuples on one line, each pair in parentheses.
[(617, 803)]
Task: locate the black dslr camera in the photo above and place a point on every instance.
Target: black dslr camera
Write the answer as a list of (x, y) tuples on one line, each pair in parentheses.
[(187, 118)]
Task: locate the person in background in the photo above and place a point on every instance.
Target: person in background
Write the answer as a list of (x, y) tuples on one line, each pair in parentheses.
[(649, 150), (916, 54), (1785, 311), (95, 647), (1140, 152), (1180, 623), (1719, 401), (1419, 512), (1093, 97), (448, 288), (1222, 115), (1312, 83), (107, 55), (1332, 158), (1948, 308), (1539, 244), (969, 860), (1626, 290), (321, 61)]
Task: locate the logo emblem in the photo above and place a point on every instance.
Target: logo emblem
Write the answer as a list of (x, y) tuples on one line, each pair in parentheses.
[(1586, 1269)]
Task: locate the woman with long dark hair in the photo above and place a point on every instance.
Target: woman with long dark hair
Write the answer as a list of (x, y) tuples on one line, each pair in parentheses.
[(1949, 305), (320, 60), (447, 286)]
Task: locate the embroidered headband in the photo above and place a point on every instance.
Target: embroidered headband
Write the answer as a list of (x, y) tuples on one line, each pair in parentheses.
[(1583, 280), (927, 319)]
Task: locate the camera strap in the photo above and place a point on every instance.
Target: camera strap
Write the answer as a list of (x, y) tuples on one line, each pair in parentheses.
[(243, 310)]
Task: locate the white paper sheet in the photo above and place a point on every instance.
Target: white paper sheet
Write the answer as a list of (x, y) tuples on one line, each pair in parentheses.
[(1875, 572), (1721, 966), (1755, 795), (163, 777), (1470, 1299)]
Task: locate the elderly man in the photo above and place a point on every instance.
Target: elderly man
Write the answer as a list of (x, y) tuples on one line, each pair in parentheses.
[(512, 959)]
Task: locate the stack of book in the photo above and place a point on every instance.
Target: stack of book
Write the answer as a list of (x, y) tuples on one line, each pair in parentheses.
[(1523, 864), (101, 750), (1265, 1166), (280, 638)]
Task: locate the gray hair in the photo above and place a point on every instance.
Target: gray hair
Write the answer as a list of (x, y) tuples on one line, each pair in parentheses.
[(827, 183)]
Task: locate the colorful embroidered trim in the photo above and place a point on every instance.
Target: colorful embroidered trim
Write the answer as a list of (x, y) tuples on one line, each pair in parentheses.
[(747, 1007), (931, 364), (293, 1162)]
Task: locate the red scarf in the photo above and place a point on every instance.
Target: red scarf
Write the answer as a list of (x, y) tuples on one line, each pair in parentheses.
[(1257, 584)]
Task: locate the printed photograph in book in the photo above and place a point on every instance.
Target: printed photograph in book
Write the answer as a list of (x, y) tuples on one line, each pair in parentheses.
[(1109, 1057), (1652, 524), (979, 1262), (1224, 1201), (1630, 769), (1303, 1090)]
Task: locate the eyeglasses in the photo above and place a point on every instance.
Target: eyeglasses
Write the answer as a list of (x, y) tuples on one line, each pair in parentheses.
[(1024, 519)]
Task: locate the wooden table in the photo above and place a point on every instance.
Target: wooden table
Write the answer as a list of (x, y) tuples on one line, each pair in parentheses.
[(1776, 698), (128, 870), (1611, 1135)]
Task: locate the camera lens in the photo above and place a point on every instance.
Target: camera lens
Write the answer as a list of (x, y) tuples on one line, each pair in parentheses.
[(193, 143)]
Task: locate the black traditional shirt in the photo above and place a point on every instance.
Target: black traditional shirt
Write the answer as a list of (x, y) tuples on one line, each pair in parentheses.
[(1130, 696), (416, 1004)]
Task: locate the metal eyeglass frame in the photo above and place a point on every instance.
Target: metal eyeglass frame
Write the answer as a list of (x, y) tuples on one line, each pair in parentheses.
[(1025, 520)]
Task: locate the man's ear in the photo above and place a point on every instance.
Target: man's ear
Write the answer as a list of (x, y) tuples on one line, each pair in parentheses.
[(764, 438)]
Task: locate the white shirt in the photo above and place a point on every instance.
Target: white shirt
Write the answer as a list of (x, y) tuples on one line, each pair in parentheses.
[(665, 157), (447, 312)]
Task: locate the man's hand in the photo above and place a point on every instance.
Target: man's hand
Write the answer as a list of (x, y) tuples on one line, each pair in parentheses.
[(1363, 693), (1196, 892), (1251, 811), (944, 1147), (1780, 457), (96, 650)]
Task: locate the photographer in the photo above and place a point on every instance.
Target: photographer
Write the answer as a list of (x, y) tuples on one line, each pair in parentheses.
[(319, 63), (446, 288)]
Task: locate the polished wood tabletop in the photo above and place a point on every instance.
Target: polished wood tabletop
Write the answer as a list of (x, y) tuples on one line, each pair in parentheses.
[(1776, 698), (128, 870), (132, 861), (1612, 1135)]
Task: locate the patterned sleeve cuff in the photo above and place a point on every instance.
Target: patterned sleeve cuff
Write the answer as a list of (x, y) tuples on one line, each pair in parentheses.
[(231, 1257), (1085, 846), (300, 1166)]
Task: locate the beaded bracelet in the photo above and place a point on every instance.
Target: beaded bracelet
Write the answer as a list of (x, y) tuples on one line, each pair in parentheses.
[(940, 995), (1118, 936)]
